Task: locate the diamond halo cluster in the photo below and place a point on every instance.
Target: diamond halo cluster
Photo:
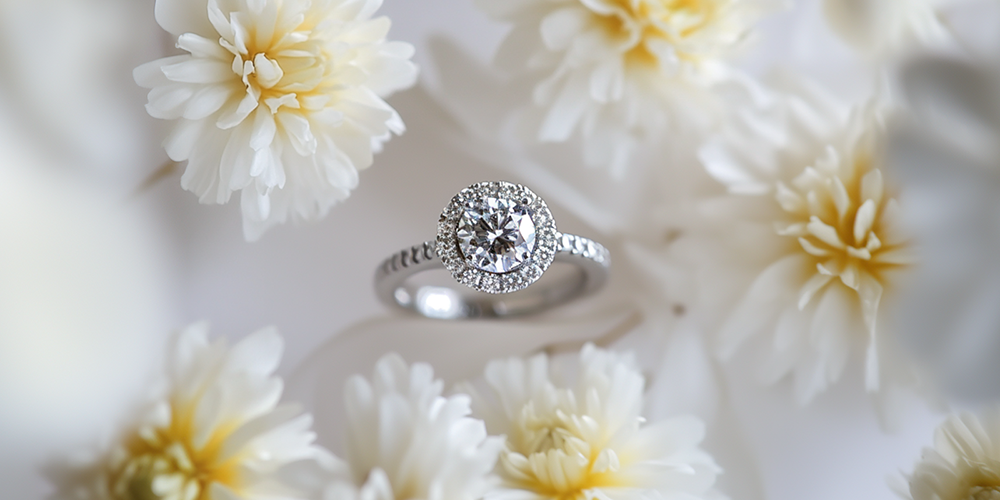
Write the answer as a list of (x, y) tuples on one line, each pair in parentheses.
[(497, 237)]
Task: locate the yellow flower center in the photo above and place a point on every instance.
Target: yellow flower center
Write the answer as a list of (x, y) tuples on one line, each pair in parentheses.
[(982, 480), (640, 24), (682, 18), (281, 64), (837, 210), (557, 455), (165, 464), (984, 493)]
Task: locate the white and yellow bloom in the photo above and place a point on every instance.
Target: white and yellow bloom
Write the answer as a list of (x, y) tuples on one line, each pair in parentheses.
[(588, 440), (822, 234), (407, 441), (620, 71), (964, 463), (217, 431), (278, 99)]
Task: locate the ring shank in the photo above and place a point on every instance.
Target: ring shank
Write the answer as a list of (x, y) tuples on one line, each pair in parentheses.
[(393, 287)]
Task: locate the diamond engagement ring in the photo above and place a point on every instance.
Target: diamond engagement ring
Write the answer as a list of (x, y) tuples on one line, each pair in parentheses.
[(496, 238)]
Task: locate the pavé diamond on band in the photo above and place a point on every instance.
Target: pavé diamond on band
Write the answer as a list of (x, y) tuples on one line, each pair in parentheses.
[(496, 238)]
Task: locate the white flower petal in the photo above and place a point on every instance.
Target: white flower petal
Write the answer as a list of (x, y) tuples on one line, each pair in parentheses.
[(863, 221), (759, 306), (264, 129), (259, 353), (201, 47), (561, 26), (151, 75), (299, 133), (198, 70), (233, 115), (206, 102), (169, 101), (237, 159), (812, 287), (569, 106)]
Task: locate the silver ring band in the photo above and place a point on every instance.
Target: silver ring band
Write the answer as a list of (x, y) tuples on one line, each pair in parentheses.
[(445, 302)]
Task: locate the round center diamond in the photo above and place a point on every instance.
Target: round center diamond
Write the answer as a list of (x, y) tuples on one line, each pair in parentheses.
[(497, 235)]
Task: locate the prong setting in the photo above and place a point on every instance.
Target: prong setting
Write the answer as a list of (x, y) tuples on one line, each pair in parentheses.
[(534, 257)]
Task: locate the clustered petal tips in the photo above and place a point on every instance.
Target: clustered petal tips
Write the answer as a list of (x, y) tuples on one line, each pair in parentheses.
[(217, 432), (588, 440), (964, 463), (619, 71), (278, 99), (831, 245), (405, 440)]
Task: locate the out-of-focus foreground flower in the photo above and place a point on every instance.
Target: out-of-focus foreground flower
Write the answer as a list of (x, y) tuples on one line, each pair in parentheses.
[(85, 299), (216, 432), (405, 441), (964, 463), (619, 73), (588, 439), (810, 212), (280, 100)]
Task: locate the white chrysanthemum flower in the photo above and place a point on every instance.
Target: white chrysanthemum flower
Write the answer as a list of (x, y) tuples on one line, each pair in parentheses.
[(588, 440), (406, 441), (964, 463), (216, 433), (278, 99), (619, 71), (881, 27), (821, 231)]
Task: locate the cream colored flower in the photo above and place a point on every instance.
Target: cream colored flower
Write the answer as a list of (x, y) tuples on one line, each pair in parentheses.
[(882, 27), (620, 71), (588, 440), (822, 234), (278, 99), (216, 432), (964, 463), (406, 441)]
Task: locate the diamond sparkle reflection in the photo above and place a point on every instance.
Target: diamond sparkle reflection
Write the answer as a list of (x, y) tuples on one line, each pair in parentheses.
[(496, 235)]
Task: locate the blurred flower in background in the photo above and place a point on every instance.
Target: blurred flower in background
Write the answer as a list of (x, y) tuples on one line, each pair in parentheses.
[(405, 440), (87, 123), (810, 211), (587, 439), (964, 462), (623, 73), (280, 100), (879, 28), (87, 286), (215, 432)]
